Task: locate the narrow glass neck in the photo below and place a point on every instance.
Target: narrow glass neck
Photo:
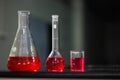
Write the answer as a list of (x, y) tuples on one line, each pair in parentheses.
[(54, 32), (23, 19)]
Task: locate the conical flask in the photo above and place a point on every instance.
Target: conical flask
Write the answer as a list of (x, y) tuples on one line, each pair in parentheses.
[(55, 61), (23, 55)]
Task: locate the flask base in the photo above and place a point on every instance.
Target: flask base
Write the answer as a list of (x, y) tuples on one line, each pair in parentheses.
[(23, 63)]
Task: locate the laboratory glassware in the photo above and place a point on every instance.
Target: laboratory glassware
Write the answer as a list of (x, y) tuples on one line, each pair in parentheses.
[(23, 55), (76, 61), (55, 61)]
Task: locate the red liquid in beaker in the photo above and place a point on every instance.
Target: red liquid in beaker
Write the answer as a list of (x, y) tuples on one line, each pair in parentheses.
[(24, 63), (77, 64), (55, 64)]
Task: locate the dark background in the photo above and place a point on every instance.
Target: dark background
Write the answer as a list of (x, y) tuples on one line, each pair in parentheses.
[(102, 32), (89, 25)]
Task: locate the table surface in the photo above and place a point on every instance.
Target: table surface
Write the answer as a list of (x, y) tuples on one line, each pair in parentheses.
[(64, 74), (91, 72)]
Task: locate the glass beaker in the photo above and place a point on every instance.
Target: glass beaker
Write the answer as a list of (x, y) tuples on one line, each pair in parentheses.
[(23, 55), (55, 61), (76, 61)]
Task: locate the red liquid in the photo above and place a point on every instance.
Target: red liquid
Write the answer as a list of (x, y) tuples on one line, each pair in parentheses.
[(55, 64), (23, 63), (77, 64)]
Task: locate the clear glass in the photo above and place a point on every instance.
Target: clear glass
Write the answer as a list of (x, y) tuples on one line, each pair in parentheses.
[(55, 61), (77, 61), (23, 55)]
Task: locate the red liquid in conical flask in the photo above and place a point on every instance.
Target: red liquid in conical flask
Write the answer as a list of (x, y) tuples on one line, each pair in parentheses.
[(24, 63), (77, 64), (55, 64)]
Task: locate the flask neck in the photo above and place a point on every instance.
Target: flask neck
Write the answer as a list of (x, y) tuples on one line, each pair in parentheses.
[(23, 19), (54, 32)]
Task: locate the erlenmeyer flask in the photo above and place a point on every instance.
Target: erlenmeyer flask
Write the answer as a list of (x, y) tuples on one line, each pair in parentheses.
[(55, 62), (23, 55)]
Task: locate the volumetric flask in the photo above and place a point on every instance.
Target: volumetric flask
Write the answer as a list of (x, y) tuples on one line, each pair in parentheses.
[(55, 61), (23, 55), (77, 61)]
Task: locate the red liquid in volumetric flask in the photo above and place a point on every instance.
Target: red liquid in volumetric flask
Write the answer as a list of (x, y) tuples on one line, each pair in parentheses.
[(55, 64), (77, 64), (24, 63)]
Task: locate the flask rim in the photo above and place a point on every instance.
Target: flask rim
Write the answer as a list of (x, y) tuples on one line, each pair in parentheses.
[(24, 11)]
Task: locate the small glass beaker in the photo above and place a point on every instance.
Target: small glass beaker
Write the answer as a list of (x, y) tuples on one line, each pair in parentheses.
[(76, 61)]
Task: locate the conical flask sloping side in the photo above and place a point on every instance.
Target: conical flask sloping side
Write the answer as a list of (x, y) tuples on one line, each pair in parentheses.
[(23, 55)]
